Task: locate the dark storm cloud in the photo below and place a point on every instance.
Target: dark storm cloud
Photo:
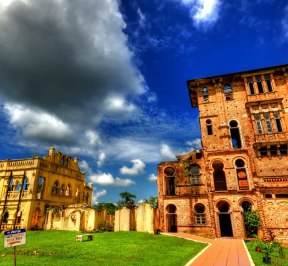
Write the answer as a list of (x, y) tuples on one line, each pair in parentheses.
[(65, 57)]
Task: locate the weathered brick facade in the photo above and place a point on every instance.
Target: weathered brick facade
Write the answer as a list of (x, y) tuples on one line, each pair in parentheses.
[(244, 125)]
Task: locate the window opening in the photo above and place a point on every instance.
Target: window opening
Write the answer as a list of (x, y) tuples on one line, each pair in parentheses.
[(209, 127), (40, 187), (219, 176), (263, 151), (68, 190), (170, 181), (278, 122), (268, 196), (258, 124), (205, 94), (251, 86), (55, 187), (25, 184), (241, 175), (281, 195), (194, 174), (228, 92), (18, 186), (200, 216), (235, 135), (18, 217), (283, 149), (5, 217), (273, 150), (268, 83), (268, 123), (11, 187), (259, 84)]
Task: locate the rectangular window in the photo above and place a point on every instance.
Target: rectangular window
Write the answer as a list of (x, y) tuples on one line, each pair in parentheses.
[(283, 149), (200, 219), (268, 196), (273, 150), (281, 195), (268, 123), (251, 86), (268, 83), (259, 84), (263, 151), (195, 179), (258, 124), (278, 122)]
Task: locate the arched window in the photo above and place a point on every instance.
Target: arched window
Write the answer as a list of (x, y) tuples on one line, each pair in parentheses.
[(219, 176), (228, 92), (62, 190), (55, 187), (5, 217), (11, 185), (235, 135), (68, 190), (205, 94), (241, 174), (194, 174), (169, 181), (209, 127), (25, 184), (200, 216)]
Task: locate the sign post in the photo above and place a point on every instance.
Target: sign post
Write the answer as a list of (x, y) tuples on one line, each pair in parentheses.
[(14, 238)]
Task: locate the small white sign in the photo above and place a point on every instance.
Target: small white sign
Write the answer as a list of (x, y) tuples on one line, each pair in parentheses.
[(14, 238)]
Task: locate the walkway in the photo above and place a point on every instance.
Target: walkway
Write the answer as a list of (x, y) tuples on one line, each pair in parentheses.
[(219, 252)]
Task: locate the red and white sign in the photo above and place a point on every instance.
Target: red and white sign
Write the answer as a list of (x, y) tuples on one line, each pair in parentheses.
[(14, 238)]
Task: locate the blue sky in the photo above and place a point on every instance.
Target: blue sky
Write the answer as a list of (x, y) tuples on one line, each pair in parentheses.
[(105, 81)]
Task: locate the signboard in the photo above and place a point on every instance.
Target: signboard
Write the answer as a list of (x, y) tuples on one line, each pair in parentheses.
[(14, 238)]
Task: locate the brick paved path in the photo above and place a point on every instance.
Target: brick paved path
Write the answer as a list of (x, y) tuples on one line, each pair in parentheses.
[(220, 252)]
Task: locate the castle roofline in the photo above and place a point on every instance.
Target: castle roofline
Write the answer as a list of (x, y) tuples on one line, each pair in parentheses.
[(239, 73)]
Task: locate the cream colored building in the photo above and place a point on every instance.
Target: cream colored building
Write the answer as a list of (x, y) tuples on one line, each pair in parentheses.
[(29, 188)]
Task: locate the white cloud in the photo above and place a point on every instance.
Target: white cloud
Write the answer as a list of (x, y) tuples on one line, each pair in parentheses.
[(142, 18), (137, 167), (167, 152), (140, 201), (195, 144), (97, 195), (203, 12), (37, 124), (93, 138), (106, 179), (153, 177), (118, 104), (101, 159)]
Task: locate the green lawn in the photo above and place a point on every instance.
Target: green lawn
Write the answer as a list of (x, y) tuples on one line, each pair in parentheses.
[(277, 260), (120, 248)]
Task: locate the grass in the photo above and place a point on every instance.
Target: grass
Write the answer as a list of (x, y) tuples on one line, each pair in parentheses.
[(119, 248), (277, 260)]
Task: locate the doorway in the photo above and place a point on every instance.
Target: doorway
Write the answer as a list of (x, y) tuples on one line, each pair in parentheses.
[(171, 217), (225, 219)]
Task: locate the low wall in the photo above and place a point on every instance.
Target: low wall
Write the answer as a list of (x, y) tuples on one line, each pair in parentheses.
[(141, 219)]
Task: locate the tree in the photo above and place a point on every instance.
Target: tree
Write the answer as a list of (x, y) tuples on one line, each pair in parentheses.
[(126, 200), (252, 222), (110, 207), (153, 202)]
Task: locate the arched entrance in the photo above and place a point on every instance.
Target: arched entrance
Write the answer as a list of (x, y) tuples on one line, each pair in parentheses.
[(224, 219), (171, 218), (248, 214)]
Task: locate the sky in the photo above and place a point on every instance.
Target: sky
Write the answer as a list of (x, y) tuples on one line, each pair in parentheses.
[(105, 81)]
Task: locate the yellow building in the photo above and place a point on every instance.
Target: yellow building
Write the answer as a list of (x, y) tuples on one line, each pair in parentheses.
[(30, 187)]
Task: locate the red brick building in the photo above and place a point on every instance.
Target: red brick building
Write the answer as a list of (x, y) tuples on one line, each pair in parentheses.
[(243, 162)]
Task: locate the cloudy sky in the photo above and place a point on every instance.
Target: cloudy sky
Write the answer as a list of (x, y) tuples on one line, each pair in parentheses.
[(106, 80)]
